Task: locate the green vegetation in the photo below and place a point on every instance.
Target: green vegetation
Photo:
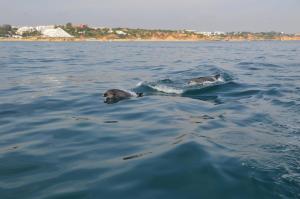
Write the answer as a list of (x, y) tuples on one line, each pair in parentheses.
[(31, 34), (6, 30), (84, 30), (259, 35), (118, 33)]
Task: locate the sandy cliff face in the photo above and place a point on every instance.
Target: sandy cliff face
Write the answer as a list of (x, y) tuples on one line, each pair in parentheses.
[(159, 36), (286, 38)]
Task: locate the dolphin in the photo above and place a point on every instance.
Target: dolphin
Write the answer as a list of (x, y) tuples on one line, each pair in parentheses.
[(116, 95), (204, 80)]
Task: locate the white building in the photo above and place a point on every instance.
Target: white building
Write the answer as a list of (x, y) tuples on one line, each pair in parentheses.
[(17, 36), (55, 32), (99, 27), (120, 32), (46, 31), (219, 33), (204, 33), (190, 31), (24, 29), (42, 28)]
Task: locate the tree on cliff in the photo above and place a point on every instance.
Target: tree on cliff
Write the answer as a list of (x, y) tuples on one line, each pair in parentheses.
[(5, 30), (69, 25)]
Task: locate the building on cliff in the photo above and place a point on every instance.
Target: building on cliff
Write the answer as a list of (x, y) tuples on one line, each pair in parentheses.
[(55, 32), (24, 29), (46, 31)]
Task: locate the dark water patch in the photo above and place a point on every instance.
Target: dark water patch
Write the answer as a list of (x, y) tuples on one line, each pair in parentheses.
[(260, 57), (13, 90), (107, 62), (274, 85), (180, 72), (270, 65), (165, 81), (157, 68), (3, 121), (223, 90), (273, 92), (36, 107), (198, 171), (7, 113), (254, 68), (71, 193), (212, 125), (258, 65), (178, 61), (177, 141), (213, 89), (255, 118), (136, 156), (246, 93), (213, 99), (43, 121), (16, 167), (134, 115), (49, 60), (245, 63), (111, 122), (180, 136), (287, 104), (204, 117), (162, 132), (211, 93), (81, 118)]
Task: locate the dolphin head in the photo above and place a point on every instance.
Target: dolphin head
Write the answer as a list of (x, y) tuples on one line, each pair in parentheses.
[(217, 76)]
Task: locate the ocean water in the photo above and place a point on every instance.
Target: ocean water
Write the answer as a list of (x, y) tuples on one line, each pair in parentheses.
[(238, 137)]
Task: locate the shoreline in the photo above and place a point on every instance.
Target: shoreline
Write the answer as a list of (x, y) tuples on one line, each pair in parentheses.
[(34, 39)]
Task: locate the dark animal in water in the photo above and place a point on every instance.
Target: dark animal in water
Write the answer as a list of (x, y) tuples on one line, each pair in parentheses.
[(116, 95), (203, 80)]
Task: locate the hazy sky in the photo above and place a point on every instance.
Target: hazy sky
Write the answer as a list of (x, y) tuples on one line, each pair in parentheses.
[(202, 15)]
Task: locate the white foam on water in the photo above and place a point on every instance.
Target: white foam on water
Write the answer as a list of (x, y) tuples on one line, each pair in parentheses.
[(166, 89), (209, 82), (220, 79), (140, 84)]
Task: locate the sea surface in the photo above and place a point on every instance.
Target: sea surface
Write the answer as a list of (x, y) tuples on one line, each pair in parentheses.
[(235, 138)]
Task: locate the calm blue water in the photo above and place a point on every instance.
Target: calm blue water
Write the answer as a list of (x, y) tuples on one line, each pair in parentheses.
[(237, 138)]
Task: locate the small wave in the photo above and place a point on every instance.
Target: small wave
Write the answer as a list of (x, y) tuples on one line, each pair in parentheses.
[(243, 93), (161, 88), (213, 89), (140, 84), (170, 87), (221, 79), (258, 64), (166, 89)]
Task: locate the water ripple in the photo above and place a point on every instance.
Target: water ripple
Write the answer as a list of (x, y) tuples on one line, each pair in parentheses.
[(236, 138)]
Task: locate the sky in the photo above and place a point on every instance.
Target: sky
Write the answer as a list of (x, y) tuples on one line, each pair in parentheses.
[(201, 15)]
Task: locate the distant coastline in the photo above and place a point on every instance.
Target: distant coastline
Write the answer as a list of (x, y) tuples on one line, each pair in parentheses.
[(80, 33), (58, 39)]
